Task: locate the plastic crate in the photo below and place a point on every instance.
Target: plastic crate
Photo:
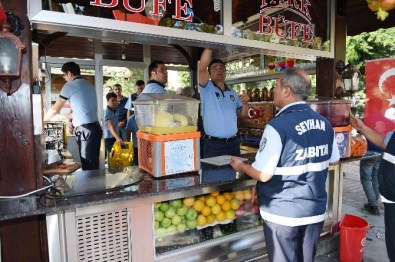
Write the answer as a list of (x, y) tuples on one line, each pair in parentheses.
[(121, 155), (163, 155)]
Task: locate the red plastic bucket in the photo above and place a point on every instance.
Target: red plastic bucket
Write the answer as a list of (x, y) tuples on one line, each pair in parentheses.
[(353, 230)]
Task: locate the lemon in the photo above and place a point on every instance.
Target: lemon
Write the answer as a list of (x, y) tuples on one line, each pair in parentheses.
[(188, 201), (247, 194), (201, 220), (235, 204), (210, 201), (230, 214), (215, 209)]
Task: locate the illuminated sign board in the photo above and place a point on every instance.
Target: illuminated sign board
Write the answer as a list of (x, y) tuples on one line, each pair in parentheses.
[(284, 27), (159, 7)]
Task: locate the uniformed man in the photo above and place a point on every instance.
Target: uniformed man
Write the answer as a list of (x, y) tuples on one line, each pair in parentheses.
[(291, 166), (220, 108), (83, 102)]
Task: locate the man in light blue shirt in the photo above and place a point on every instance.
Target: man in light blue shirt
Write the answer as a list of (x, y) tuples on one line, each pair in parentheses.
[(220, 108), (157, 78), (83, 102)]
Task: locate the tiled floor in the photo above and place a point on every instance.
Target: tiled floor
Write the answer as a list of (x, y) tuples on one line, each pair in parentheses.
[(353, 194), (353, 200)]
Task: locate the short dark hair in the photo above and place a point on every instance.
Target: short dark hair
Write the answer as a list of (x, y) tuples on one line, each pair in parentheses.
[(71, 67), (297, 80), (153, 66), (140, 83), (110, 95), (215, 61), (118, 85)]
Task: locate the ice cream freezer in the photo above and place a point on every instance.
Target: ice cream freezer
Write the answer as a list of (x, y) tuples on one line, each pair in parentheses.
[(129, 215)]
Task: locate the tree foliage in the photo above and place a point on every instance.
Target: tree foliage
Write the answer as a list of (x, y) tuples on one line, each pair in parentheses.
[(184, 77), (127, 83), (370, 46)]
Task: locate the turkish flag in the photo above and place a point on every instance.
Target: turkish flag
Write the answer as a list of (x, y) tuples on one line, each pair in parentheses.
[(380, 94)]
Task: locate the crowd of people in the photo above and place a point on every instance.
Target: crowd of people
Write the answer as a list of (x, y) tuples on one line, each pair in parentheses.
[(290, 188)]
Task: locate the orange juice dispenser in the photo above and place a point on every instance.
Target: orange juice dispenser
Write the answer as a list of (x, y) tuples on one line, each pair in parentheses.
[(168, 141)]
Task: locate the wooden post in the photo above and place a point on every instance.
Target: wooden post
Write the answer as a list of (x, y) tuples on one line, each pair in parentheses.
[(20, 153)]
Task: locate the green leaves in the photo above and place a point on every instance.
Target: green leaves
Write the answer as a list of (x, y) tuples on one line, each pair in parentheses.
[(370, 46)]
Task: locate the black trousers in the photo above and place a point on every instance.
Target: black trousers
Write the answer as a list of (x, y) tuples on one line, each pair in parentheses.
[(88, 140), (108, 143), (291, 244), (212, 148), (389, 223)]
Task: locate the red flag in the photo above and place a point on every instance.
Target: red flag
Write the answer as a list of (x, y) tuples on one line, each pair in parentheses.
[(3, 16), (380, 94)]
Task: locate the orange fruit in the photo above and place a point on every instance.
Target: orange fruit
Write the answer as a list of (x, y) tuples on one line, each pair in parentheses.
[(188, 201), (201, 220), (210, 201), (206, 211), (215, 209), (210, 219), (239, 195), (214, 194), (225, 206), (235, 204), (198, 205), (228, 196), (221, 216), (221, 199)]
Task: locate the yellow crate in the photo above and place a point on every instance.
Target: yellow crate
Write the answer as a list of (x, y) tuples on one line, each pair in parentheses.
[(121, 155)]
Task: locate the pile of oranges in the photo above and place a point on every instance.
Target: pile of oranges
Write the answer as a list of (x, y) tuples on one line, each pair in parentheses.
[(188, 213), (216, 206)]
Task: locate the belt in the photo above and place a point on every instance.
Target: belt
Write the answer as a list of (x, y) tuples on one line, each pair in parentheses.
[(221, 139), (90, 124)]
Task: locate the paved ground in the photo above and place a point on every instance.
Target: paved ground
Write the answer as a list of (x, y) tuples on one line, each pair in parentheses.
[(353, 200)]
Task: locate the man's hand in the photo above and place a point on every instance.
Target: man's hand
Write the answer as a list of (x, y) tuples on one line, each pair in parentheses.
[(237, 163), (356, 123), (121, 124), (244, 98)]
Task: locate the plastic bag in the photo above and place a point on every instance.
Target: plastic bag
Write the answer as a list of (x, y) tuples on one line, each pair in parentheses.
[(359, 145)]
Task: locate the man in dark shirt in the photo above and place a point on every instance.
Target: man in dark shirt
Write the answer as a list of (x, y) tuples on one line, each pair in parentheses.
[(121, 111), (129, 105)]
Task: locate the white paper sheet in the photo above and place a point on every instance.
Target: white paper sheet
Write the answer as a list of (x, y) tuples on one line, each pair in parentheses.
[(219, 160)]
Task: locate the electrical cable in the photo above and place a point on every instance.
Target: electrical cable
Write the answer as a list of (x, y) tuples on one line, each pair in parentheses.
[(57, 195), (29, 193)]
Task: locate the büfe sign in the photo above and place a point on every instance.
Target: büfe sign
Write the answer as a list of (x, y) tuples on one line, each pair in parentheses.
[(380, 93), (284, 27), (291, 20)]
